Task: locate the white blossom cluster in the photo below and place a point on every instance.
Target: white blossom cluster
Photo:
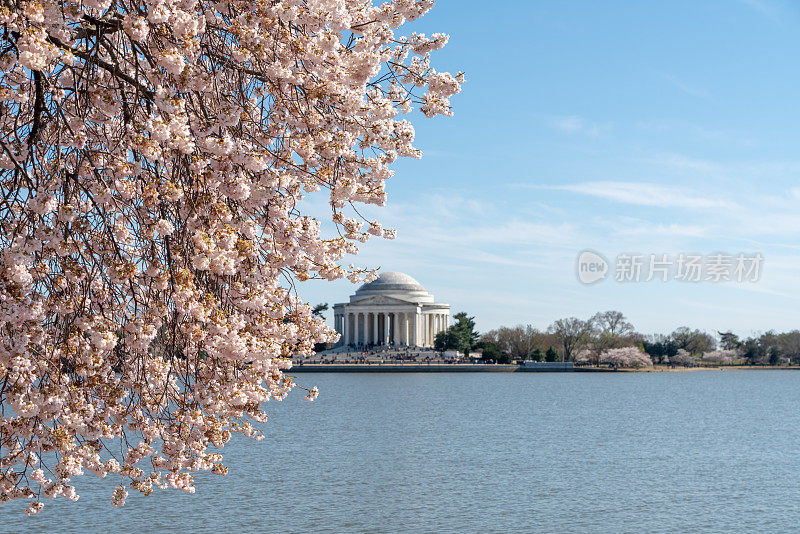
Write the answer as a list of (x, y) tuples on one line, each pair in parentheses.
[(723, 356), (682, 357), (154, 159), (626, 357)]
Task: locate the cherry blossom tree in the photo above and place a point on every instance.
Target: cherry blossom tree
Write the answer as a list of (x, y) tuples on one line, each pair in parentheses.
[(586, 356), (724, 357), (154, 158), (682, 357), (626, 357)]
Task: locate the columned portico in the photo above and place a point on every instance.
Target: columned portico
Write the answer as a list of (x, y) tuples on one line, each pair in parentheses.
[(392, 310)]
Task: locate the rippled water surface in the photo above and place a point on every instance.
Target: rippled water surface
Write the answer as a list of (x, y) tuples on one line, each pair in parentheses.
[(619, 452)]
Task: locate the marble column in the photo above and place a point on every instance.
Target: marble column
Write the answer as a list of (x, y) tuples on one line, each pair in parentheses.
[(375, 328), (401, 323), (398, 328), (398, 334), (406, 321)]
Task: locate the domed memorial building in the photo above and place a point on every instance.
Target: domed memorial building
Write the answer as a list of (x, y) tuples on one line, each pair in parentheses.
[(393, 309)]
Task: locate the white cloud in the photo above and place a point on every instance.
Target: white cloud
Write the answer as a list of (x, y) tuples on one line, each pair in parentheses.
[(645, 194), (572, 123), (767, 9), (576, 124), (674, 230), (680, 161), (684, 87), (689, 129)]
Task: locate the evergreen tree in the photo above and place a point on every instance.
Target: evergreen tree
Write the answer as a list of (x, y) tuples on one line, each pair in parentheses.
[(319, 309), (461, 336), (774, 356), (492, 352), (728, 340), (465, 332), (447, 340)]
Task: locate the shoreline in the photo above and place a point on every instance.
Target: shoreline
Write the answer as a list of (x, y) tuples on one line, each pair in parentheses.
[(506, 368)]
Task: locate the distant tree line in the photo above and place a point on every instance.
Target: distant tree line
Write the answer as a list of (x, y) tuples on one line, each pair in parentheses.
[(609, 338)]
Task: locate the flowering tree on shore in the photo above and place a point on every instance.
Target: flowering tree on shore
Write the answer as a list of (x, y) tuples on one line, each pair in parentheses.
[(587, 356), (154, 157), (724, 357), (626, 357), (682, 357)]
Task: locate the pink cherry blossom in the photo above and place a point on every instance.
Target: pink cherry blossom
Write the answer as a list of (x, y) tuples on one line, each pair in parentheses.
[(626, 357), (156, 158)]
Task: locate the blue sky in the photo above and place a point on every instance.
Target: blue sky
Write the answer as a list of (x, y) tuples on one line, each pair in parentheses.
[(639, 127)]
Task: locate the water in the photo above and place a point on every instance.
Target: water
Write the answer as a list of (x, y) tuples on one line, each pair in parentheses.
[(620, 452)]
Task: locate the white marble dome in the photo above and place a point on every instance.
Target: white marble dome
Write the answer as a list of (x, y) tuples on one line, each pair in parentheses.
[(392, 280), (393, 284), (393, 309)]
